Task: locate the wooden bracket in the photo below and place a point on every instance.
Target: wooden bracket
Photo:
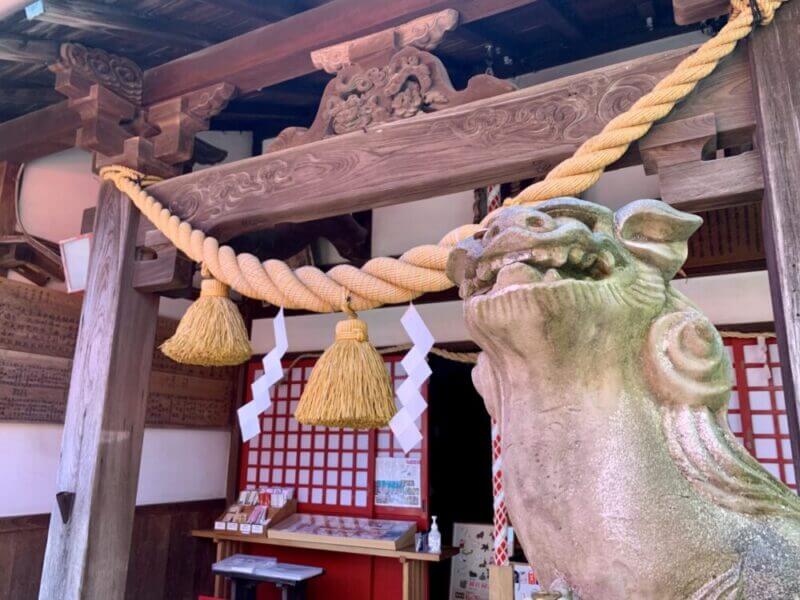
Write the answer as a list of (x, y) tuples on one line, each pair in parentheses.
[(684, 155), (676, 142), (179, 119), (387, 76), (104, 90), (165, 269)]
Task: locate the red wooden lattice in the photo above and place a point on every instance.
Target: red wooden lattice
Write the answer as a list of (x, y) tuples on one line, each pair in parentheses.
[(332, 469), (757, 410)]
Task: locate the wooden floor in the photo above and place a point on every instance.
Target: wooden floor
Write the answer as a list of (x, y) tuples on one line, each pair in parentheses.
[(166, 561)]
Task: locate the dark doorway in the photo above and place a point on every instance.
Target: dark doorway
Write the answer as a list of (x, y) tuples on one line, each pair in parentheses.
[(460, 457)]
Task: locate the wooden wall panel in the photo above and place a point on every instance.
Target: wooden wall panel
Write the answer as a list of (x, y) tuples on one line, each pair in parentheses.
[(38, 327), (166, 562)]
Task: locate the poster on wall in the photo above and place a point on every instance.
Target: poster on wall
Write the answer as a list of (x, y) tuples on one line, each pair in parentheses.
[(469, 574), (526, 584), (397, 482)]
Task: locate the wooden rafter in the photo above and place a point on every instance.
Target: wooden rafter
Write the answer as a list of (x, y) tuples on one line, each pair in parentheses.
[(271, 11), (280, 51), (503, 138), (17, 48), (92, 16)]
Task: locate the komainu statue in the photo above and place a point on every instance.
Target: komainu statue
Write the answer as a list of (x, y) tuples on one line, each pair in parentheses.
[(622, 477)]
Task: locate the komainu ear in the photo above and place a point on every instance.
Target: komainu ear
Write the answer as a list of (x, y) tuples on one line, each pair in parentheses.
[(656, 233)]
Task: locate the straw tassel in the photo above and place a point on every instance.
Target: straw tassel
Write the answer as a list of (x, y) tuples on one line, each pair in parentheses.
[(212, 332), (349, 386)]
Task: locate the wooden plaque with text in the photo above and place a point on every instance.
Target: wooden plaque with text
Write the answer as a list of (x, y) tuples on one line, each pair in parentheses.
[(38, 327)]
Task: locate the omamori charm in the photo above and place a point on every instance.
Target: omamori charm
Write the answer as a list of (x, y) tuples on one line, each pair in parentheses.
[(622, 477)]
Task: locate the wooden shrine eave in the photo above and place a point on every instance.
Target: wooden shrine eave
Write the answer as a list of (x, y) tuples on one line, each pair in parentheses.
[(281, 51), (516, 135)]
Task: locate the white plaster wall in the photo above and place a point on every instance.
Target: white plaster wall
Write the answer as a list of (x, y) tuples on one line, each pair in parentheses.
[(177, 465)]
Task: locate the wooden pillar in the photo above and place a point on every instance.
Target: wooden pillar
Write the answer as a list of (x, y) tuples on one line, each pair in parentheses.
[(775, 66), (90, 533), (8, 212)]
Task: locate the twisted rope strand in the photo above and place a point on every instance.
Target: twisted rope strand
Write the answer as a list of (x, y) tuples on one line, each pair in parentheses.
[(422, 269)]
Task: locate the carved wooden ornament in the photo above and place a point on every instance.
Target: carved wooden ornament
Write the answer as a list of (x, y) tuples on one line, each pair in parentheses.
[(385, 77)]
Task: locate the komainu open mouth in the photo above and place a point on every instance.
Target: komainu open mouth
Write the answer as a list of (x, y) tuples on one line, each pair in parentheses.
[(554, 243)]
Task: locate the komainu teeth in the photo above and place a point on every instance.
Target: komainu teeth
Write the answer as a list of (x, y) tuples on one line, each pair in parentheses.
[(552, 275), (576, 255), (605, 262), (588, 261), (517, 273)]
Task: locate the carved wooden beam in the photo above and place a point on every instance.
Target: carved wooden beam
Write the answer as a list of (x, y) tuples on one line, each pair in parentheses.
[(385, 77), (504, 138)]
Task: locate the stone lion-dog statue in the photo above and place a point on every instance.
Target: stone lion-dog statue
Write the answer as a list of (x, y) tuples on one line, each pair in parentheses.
[(622, 477)]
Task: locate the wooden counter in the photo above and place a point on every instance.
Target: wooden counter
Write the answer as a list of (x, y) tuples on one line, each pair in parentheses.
[(414, 563)]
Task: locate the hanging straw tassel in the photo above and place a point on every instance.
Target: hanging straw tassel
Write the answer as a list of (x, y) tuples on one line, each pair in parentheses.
[(212, 332), (349, 386)]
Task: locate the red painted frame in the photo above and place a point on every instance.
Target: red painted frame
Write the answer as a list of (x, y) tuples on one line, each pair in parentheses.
[(278, 420), (780, 465)]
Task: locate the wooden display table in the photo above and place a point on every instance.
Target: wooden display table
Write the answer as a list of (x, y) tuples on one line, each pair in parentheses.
[(414, 563)]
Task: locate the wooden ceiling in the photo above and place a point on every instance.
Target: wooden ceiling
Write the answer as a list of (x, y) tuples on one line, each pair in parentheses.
[(536, 35)]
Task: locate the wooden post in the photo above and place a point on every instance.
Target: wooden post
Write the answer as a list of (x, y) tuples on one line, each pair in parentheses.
[(775, 66), (501, 582), (90, 527)]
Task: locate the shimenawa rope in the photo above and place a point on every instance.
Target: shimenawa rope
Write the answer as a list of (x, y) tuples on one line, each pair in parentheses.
[(421, 269)]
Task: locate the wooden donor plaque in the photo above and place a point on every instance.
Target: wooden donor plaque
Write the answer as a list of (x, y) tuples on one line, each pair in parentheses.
[(38, 327)]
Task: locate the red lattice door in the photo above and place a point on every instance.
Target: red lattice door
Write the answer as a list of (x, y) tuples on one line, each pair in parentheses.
[(757, 410), (332, 469)]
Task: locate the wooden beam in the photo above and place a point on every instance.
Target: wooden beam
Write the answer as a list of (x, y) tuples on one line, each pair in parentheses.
[(78, 14), (775, 64), (17, 48), (39, 133), (280, 51), (88, 546), (274, 10), (710, 184), (688, 12), (28, 96), (503, 138)]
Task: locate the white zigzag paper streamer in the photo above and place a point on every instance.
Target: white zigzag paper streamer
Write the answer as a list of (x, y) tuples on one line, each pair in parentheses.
[(249, 423), (403, 424)]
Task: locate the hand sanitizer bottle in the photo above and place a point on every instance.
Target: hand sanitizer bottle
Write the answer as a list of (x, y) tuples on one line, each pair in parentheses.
[(434, 539)]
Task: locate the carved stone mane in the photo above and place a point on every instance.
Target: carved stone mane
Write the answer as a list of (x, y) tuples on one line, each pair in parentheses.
[(385, 77)]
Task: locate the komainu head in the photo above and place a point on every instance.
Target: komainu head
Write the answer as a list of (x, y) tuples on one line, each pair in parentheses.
[(566, 267)]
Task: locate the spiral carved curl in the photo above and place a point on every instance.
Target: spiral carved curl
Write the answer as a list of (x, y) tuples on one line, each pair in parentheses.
[(686, 363)]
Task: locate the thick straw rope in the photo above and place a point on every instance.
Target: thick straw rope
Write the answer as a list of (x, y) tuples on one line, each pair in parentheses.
[(422, 269)]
